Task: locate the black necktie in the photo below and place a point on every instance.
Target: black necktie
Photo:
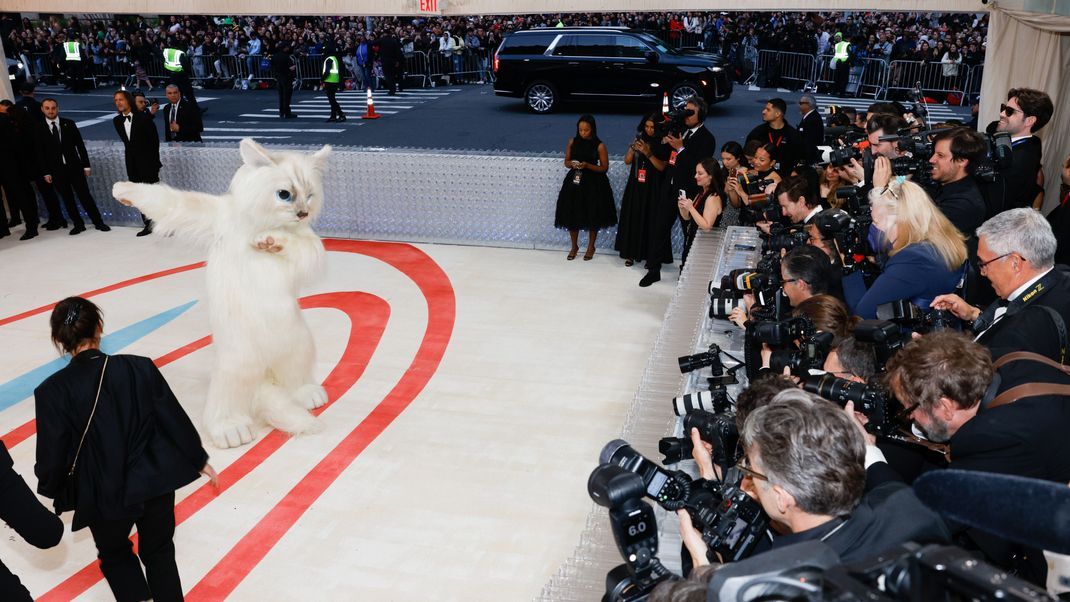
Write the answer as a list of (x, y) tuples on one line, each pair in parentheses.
[(55, 132), (687, 135), (174, 113)]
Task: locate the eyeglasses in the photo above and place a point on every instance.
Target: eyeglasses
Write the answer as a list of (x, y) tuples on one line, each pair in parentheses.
[(787, 280), (981, 265), (744, 467), (904, 416), (1009, 111)]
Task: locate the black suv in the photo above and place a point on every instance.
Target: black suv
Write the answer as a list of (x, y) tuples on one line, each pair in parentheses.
[(546, 66)]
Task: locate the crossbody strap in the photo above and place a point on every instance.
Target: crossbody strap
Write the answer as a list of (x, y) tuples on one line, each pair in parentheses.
[(91, 413)]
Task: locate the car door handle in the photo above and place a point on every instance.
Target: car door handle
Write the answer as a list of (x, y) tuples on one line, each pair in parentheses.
[(573, 62)]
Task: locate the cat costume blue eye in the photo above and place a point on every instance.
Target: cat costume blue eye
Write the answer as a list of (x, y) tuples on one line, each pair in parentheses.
[(284, 196)]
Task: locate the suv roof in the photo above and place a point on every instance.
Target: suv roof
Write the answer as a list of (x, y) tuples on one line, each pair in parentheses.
[(590, 28)]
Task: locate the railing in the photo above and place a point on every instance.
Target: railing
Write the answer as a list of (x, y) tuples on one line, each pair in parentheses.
[(778, 67)]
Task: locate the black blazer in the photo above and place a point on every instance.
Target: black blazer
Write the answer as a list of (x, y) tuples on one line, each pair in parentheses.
[(140, 445), (20, 509), (1029, 328), (142, 147), (701, 145), (962, 204), (813, 134), (50, 154), (1021, 177), (189, 122)]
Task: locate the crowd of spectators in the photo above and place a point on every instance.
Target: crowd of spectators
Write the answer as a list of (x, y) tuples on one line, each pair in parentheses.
[(126, 40)]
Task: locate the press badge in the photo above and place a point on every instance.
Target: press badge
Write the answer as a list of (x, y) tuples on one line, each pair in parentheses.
[(641, 176), (672, 158)]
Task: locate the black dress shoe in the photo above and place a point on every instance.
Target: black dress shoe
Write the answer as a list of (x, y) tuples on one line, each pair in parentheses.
[(76, 230), (145, 231), (332, 119), (28, 235), (102, 227), (52, 226), (650, 278)]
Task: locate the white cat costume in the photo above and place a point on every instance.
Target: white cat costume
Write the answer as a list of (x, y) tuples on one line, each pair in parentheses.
[(261, 250)]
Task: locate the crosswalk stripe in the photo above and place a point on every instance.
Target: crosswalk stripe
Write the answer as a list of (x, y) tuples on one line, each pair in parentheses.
[(249, 136), (316, 115), (281, 130), (327, 111)]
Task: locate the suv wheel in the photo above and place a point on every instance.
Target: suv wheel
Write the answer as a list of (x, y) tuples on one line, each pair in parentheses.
[(681, 92), (541, 97)]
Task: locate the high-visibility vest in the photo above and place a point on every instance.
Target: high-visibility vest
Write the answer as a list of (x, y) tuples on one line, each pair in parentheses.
[(172, 59), (73, 51), (841, 54), (331, 66)]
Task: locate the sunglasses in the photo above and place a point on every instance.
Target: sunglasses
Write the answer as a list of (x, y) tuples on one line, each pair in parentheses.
[(1009, 111)]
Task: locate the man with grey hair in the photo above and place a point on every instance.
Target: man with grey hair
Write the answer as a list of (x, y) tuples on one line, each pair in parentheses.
[(810, 467), (1016, 252), (811, 127)]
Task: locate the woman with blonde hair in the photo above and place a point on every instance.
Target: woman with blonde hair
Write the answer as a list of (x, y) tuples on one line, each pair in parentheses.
[(923, 253)]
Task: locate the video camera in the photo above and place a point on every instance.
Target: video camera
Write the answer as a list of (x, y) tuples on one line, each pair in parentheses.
[(635, 530), (732, 523), (673, 124), (998, 158)]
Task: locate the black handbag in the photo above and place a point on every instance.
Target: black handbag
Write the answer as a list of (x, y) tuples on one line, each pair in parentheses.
[(67, 497)]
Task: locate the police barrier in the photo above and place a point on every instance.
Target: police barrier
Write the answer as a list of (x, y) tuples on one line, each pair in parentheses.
[(874, 77), (417, 67), (825, 74), (777, 69), (933, 77)]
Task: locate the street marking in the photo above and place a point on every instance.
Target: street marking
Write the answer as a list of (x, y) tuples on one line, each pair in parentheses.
[(243, 137), (276, 130)]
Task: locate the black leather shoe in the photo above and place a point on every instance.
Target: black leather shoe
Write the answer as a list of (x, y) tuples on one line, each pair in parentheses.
[(76, 230), (650, 278), (28, 235), (145, 231), (54, 226), (331, 119), (103, 227)]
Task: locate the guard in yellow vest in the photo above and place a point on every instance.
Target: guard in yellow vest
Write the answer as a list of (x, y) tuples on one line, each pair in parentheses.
[(840, 65), (179, 67), (74, 65), (332, 77)]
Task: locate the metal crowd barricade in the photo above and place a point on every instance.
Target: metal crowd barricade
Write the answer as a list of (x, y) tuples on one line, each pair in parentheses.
[(795, 67), (42, 66), (310, 69), (439, 68), (825, 74), (416, 67), (973, 79), (874, 77), (906, 75)]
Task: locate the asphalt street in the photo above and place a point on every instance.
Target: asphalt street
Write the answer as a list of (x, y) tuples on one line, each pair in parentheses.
[(468, 117)]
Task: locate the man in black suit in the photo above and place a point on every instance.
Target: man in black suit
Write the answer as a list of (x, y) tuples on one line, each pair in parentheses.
[(812, 127), (1025, 112), (142, 145), (182, 119), (392, 58), (688, 148), (65, 165), (944, 380), (15, 144), (27, 102), (1016, 251), (282, 63)]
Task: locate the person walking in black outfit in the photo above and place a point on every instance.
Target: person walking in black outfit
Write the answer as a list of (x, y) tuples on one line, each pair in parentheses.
[(21, 510), (282, 62), (65, 165), (142, 144), (686, 148), (14, 126), (115, 423), (392, 58), (585, 201)]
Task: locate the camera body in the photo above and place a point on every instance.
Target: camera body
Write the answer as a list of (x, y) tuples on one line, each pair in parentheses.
[(717, 428), (871, 400), (910, 317), (673, 124)]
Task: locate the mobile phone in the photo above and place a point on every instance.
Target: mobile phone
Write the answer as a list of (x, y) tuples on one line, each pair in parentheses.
[(683, 194)]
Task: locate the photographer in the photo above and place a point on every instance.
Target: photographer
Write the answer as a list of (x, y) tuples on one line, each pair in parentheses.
[(956, 154), (1016, 251), (941, 380), (852, 360), (1025, 112), (1059, 218), (686, 148), (806, 460), (803, 274), (796, 202), (925, 253), (741, 190), (877, 126)]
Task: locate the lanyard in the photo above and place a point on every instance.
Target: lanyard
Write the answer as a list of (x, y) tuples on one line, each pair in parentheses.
[(778, 140)]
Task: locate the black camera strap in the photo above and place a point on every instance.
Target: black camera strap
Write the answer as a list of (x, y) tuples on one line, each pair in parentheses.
[(1039, 288)]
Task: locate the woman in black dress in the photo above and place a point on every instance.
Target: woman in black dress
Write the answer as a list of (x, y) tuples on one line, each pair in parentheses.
[(648, 156), (704, 210), (586, 200), (113, 444)]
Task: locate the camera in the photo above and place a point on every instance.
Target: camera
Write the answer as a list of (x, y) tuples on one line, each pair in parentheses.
[(698, 361), (723, 301), (886, 337), (748, 280), (911, 317), (850, 232), (635, 530), (719, 429), (753, 186), (871, 400), (784, 237), (998, 158), (673, 123), (669, 488), (809, 353)]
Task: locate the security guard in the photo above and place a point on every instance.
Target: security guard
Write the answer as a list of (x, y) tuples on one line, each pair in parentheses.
[(331, 78), (178, 65), (840, 65), (74, 65)]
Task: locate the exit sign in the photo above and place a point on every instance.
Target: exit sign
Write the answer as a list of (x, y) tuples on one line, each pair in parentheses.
[(428, 6)]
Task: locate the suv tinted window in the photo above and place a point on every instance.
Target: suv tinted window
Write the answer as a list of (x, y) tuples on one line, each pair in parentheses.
[(528, 43), (586, 45), (629, 47)]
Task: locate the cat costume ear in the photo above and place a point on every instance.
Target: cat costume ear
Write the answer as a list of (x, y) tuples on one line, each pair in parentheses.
[(320, 158), (254, 155)]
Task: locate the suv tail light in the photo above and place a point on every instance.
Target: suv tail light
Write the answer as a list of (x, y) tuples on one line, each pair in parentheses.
[(495, 62)]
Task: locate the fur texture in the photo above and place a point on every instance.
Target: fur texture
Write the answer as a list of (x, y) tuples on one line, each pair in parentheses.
[(261, 250)]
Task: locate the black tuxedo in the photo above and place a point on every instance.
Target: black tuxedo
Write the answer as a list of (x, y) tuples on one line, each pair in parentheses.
[(15, 146), (142, 147), (64, 160), (813, 134), (679, 175), (187, 116), (31, 106), (1026, 327), (1021, 178)]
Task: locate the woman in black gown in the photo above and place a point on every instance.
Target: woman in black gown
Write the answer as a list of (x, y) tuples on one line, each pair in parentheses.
[(111, 427), (648, 156), (586, 199)]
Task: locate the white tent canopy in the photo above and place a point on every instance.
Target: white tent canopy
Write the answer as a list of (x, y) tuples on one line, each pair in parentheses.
[(1028, 40)]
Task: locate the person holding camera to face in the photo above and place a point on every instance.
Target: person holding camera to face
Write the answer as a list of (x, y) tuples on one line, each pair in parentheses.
[(877, 127), (921, 253), (948, 386), (1016, 252), (808, 463), (796, 201), (753, 186), (687, 149)]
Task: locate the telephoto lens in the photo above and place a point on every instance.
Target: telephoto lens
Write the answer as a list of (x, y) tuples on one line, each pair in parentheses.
[(690, 363), (699, 400), (723, 301)]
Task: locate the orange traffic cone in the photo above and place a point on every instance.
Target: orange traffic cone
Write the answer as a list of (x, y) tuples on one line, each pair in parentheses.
[(665, 103), (370, 113)]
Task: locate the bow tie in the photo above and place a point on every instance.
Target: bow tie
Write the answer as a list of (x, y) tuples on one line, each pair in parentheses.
[(129, 117)]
